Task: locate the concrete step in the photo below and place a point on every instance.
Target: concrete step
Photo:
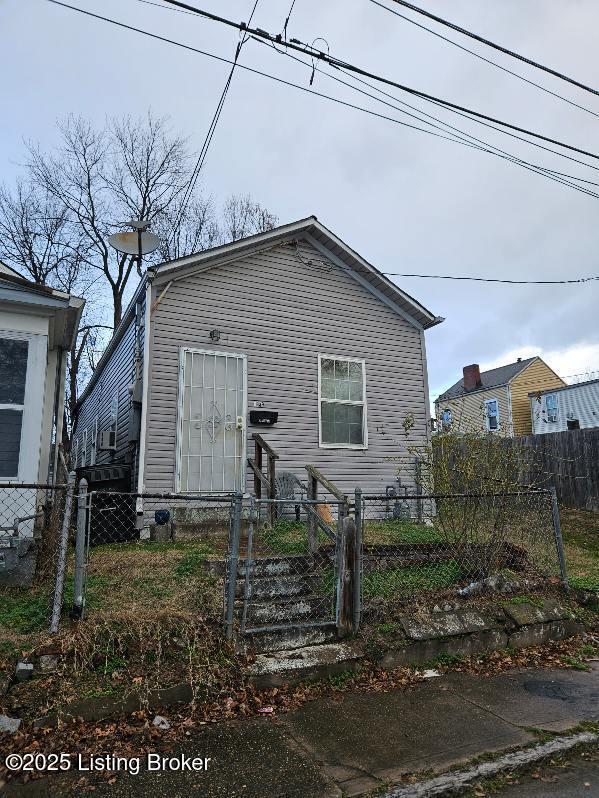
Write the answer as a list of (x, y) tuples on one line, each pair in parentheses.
[(270, 588), (274, 669), (266, 566), (276, 566), (288, 637), (302, 608)]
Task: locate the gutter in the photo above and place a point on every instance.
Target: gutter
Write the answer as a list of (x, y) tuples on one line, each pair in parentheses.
[(141, 457)]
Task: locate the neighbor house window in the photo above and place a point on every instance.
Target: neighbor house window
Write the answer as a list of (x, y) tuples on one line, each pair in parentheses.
[(551, 406), (342, 401), (446, 419), (492, 414), (13, 376)]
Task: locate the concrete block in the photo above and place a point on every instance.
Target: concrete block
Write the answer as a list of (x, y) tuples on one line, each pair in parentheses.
[(304, 664), (10, 725), (423, 651), (430, 625), (48, 663), (539, 633), (527, 614), (23, 671)]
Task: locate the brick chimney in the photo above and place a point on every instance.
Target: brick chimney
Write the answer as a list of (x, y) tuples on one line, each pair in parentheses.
[(472, 377)]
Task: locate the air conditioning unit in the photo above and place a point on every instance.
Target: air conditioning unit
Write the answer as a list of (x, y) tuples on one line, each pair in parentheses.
[(107, 440)]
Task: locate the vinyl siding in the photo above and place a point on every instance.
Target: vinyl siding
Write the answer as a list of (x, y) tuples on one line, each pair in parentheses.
[(537, 376), (468, 411), (576, 401), (282, 313), (117, 375)]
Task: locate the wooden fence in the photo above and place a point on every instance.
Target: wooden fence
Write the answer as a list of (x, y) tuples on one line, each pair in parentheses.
[(569, 460)]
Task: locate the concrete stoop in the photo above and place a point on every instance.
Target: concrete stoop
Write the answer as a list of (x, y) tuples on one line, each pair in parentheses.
[(426, 636)]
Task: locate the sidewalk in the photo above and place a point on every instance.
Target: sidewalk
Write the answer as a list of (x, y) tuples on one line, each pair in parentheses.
[(365, 741)]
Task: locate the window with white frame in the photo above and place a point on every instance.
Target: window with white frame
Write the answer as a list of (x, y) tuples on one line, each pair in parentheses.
[(342, 402), (446, 419), (492, 414), (551, 407), (13, 375)]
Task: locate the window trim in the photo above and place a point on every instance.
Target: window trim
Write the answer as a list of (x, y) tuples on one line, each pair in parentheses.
[(364, 404), (32, 440), (547, 418), (487, 425)]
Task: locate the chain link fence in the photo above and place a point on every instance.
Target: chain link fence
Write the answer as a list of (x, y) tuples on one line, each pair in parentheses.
[(443, 548), (150, 553), (35, 524), (286, 563)]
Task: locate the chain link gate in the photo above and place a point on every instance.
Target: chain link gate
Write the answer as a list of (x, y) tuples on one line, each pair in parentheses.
[(284, 575)]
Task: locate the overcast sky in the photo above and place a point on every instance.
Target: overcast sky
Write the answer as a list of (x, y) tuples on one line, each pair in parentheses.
[(404, 200)]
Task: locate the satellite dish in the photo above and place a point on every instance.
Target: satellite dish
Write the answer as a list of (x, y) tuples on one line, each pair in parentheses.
[(130, 242)]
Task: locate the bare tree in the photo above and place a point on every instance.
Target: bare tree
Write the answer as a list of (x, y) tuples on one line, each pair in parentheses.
[(54, 224), (35, 234), (106, 177), (243, 217)]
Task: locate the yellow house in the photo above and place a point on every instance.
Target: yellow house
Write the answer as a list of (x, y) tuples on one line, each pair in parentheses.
[(496, 400)]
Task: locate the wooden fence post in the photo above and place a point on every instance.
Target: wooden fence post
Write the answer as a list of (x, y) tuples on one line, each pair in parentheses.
[(346, 577)]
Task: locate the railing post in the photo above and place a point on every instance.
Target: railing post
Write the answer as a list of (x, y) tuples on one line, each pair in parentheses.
[(62, 554), (236, 511), (312, 525), (258, 462), (80, 550), (357, 586), (272, 489), (557, 532)]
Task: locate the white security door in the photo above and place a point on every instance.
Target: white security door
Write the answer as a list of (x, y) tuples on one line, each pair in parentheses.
[(212, 406)]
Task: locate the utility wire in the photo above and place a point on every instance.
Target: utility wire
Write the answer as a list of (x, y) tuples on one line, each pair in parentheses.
[(460, 134), (297, 86), (210, 134), (494, 280), (295, 44), (481, 57), (287, 19), (495, 46)]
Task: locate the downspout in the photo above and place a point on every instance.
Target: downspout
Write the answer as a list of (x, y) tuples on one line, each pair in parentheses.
[(141, 460)]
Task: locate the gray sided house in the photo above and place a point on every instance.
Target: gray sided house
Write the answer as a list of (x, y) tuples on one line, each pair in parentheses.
[(289, 334)]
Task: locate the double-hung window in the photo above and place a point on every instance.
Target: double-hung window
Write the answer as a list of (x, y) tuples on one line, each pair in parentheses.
[(342, 402), (14, 354), (492, 414), (551, 406)]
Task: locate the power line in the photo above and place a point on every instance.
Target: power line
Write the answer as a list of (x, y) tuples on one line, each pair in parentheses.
[(255, 71), (495, 46), (210, 134), (491, 149), (451, 138), (493, 279), (482, 58), (295, 44)]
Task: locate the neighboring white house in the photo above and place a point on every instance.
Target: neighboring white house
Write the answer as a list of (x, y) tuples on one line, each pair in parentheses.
[(570, 407), (37, 327)]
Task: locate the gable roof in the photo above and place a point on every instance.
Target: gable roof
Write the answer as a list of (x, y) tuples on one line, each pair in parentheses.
[(493, 378), (313, 231)]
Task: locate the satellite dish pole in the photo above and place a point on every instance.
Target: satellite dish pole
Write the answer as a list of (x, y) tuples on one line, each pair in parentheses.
[(139, 243)]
